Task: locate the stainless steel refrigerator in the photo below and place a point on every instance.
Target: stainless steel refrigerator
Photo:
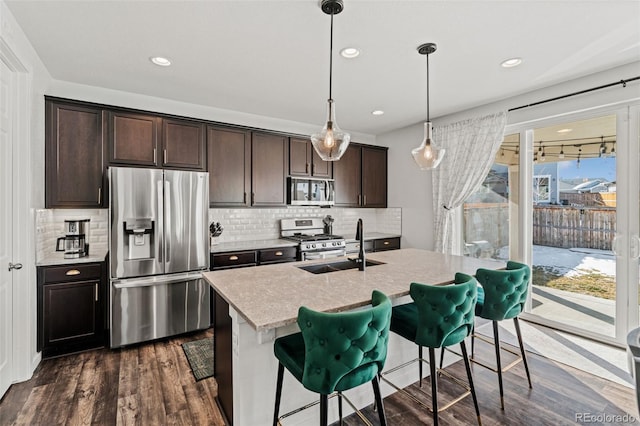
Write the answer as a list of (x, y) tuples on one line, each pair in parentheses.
[(158, 250)]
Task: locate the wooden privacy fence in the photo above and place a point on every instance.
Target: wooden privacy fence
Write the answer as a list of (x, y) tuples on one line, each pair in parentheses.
[(554, 226), (589, 227)]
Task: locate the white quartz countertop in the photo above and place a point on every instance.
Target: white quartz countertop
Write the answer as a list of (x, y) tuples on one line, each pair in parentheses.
[(251, 245), (57, 258), (269, 296)]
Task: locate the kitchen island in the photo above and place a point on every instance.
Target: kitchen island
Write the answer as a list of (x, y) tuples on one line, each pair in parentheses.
[(263, 304)]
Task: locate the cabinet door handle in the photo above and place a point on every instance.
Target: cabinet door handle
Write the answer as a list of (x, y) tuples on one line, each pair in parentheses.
[(278, 253), (233, 257), (154, 156), (359, 200), (96, 292), (306, 168), (72, 272), (99, 195), (313, 169), (164, 156), (364, 200), (244, 198), (386, 243), (253, 198)]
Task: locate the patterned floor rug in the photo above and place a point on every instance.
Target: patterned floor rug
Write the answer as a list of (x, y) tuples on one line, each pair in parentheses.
[(200, 356)]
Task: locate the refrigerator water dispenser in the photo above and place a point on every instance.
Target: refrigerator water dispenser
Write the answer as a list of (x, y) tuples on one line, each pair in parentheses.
[(139, 238)]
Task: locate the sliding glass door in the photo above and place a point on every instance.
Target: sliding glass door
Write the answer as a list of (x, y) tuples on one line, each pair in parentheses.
[(563, 196)]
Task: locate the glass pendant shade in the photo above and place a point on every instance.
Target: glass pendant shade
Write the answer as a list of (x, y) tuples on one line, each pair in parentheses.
[(331, 142), (427, 155)]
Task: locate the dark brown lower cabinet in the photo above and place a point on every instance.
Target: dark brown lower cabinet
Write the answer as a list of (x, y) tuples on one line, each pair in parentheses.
[(222, 333), (71, 308)]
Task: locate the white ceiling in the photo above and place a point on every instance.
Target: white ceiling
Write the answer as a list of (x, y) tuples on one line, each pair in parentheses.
[(271, 57)]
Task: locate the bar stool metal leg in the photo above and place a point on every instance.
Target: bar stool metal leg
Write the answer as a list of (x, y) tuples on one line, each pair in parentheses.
[(278, 393), (378, 401), (434, 385), (324, 408), (496, 339), (420, 364), (524, 357), (465, 356)]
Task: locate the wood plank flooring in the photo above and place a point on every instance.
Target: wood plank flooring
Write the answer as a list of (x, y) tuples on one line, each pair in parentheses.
[(152, 384), (148, 384)]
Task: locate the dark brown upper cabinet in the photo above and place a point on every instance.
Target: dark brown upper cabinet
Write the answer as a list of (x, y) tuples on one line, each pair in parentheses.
[(74, 156), (305, 161), (374, 177), (269, 159), (361, 177), (229, 160), (183, 144), (133, 139), (152, 141), (347, 174)]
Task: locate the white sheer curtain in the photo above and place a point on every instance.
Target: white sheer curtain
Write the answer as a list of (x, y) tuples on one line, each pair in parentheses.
[(471, 148)]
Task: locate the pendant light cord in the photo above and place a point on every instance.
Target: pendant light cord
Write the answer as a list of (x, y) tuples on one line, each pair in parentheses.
[(427, 55), (331, 59)]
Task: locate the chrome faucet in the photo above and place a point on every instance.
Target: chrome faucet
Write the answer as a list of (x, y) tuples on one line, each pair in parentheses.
[(360, 237)]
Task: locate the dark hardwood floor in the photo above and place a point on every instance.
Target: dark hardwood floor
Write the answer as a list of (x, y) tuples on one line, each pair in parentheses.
[(152, 384), (148, 384)]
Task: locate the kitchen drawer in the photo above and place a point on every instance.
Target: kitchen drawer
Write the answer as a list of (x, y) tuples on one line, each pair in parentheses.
[(354, 247), (386, 244), (75, 272), (275, 255), (233, 259)]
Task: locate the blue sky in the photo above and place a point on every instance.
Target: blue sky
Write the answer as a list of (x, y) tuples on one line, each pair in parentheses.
[(590, 168)]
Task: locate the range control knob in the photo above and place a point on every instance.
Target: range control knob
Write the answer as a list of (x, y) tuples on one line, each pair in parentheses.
[(313, 246)]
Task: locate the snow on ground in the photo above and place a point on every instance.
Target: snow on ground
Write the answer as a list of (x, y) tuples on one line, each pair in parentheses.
[(572, 262)]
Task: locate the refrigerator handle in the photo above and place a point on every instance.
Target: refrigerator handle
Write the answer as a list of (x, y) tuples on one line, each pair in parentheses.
[(167, 213), (159, 232)]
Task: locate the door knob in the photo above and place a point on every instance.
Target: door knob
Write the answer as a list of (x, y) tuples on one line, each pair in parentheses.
[(14, 266)]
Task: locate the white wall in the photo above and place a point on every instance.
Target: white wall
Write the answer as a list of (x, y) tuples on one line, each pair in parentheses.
[(410, 188)]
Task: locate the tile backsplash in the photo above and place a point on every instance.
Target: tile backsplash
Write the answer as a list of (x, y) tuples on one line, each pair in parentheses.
[(239, 224), (50, 226), (264, 224)]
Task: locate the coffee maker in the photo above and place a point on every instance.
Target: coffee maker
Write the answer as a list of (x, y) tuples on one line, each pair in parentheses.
[(76, 241)]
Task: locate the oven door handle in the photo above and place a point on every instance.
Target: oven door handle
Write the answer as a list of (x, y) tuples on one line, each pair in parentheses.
[(323, 254)]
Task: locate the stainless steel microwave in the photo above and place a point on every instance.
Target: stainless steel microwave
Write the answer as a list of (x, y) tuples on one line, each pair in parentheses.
[(310, 192)]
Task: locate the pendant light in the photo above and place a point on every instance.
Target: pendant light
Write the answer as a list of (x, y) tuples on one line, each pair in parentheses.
[(331, 142), (427, 155)]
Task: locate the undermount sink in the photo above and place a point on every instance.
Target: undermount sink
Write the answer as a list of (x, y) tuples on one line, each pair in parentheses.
[(344, 265)]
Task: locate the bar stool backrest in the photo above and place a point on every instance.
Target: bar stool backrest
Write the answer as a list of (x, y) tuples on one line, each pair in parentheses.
[(345, 349), (445, 313), (505, 291)]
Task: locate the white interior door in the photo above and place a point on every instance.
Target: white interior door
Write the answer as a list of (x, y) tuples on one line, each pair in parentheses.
[(7, 96)]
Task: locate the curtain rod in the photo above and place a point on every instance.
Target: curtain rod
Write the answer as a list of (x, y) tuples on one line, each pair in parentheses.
[(623, 82)]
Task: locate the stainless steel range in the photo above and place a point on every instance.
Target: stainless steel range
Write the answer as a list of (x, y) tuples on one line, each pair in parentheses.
[(314, 242)]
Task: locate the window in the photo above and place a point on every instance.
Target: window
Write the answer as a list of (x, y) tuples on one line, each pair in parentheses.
[(542, 189)]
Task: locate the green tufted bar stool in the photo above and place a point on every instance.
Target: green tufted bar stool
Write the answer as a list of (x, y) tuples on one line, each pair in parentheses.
[(501, 297), (440, 316), (335, 352)]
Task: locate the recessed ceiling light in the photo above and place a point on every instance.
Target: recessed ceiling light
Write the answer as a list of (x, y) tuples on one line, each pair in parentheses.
[(349, 52), (377, 112), (564, 130), (159, 60), (512, 62)]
